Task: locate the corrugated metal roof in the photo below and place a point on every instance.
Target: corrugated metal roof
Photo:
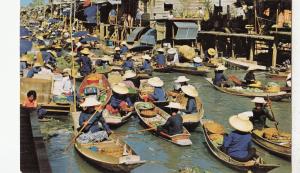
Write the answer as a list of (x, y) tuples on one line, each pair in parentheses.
[(185, 25), (186, 31)]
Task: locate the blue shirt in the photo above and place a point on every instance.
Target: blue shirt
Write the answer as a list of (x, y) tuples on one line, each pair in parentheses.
[(86, 64), (237, 144), (160, 59), (197, 64), (22, 65), (115, 102), (117, 57), (48, 57), (32, 71), (159, 94), (93, 125), (146, 65), (124, 49), (219, 78), (191, 106), (128, 65)]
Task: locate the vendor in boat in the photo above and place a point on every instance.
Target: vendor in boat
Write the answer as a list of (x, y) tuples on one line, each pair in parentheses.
[(191, 93), (160, 58), (92, 131), (238, 143), (179, 82), (119, 101), (31, 103), (85, 62), (209, 54), (260, 113), (67, 87), (34, 70), (128, 64), (174, 124), (220, 79), (173, 56), (129, 78), (250, 77), (146, 64), (117, 55), (124, 48), (197, 62), (159, 94), (47, 69), (103, 62)]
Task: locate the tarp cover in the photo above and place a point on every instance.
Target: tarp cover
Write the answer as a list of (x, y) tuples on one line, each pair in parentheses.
[(134, 34), (25, 46), (89, 39), (186, 31), (149, 38)]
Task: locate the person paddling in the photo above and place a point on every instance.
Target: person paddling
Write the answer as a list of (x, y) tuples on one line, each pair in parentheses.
[(220, 79), (191, 93), (159, 94), (160, 58)]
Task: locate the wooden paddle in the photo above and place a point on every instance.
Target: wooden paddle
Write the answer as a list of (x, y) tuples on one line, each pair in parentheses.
[(270, 105)]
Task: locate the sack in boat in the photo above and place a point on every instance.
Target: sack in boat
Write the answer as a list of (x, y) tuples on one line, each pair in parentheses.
[(214, 127), (187, 52), (270, 133), (182, 100), (148, 113)]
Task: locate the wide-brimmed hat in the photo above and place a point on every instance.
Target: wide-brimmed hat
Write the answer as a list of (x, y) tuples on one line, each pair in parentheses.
[(175, 105), (120, 88), (106, 58), (85, 51), (24, 58), (211, 51), (171, 51), (69, 40), (117, 48), (181, 79), (49, 66), (251, 68), (90, 101), (259, 100), (37, 64), (221, 68), (39, 37), (129, 74), (123, 43), (189, 90), (155, 82), (128, 55), (146, 57), (67, 71), (160, 50), (197, 59), (241, 123)]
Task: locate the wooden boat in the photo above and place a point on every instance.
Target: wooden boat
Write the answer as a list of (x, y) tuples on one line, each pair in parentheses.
[(211, 65), (190, 121), (113, 154), (159, 119), (243, 63), (223, 157), (201, 71), (166, 69), (279, 148), (280, 76), (273, 96), (148, 89), (102, 70), (115, 121)]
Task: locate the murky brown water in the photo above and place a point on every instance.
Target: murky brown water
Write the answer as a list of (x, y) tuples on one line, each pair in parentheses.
[(163, 156)]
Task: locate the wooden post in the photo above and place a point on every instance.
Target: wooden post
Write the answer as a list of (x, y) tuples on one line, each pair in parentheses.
[(274, 55), (251, 54), (255, 17), (232, 47), (216, 48)]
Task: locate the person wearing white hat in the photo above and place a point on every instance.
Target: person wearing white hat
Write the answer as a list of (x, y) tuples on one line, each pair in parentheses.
[(159, 94), (238, 143), (179, 82), (92, 131), (124, 48), (197, 62), (160, 58), (174, 124), (260, 113), (146, 64), (191, 93), (119, 101), (117, 55), (128, 64), (67, 87), (220, 79), (250, 77), (84, 62), (173, 55)]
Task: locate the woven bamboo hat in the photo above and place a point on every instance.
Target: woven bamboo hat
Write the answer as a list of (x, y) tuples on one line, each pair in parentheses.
[(128, 55), (39, 37), (214, 127), (258, 100), (189, 90), (197, 59), (146, 57), (67, 71), (175, 105), (211, 51), (90, 101), (123, 43), (241, 123), (85, 51), (129, 74), (37, 64), (120, 88), (181, 79), (24, 58), (171, 51), (155, 82), (160, 50), (117, 49)]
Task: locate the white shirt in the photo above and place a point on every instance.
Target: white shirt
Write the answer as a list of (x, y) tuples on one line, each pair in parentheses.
[(45, 71), (66, 85)]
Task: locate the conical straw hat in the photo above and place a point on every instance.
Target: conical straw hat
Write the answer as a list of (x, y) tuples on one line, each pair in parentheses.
[(129, 74), (90, 101), (120, 89), (241, 123), (155, 82), (189, 90), (85, 51), (211, 51)]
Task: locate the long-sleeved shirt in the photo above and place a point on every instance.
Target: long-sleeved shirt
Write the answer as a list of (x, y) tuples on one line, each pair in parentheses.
[(85, 65), (67, 86), (93, 125), (249, 77), (115, 102), (48, 57), (174, 125), (237, 144), (117, 57), (259, 117), (146, 65), (159, 94), (219, 78), (33, 71), (128, 65), (191, 106), (160, 59), (123, 50)]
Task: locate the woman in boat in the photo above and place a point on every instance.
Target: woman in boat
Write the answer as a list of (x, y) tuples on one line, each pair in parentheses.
[(34, 70), (119, 101), (174, 124), (128, 78), (260, 113), (220, 79), (128, 64), (191, 93), (159, 94), (117, 55), (250, 77), (49, 56), (146, 64), (160, 58), (197, 62), (31, 103), (85, 62), (182, 81), (173, 56), (67, 87), (124, 48), (209, 54), (238, 143), (92, 132)]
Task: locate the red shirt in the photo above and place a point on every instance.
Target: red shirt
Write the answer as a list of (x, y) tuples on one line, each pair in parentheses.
[(30, 104)]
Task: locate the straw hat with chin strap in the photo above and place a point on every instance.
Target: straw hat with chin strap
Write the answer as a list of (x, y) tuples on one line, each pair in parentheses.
[(259, 100), (146, 57), (189, 90), (175, 105), (90, 101), (155, 82), (129, 74), (181, 79), (117, 49), (171, 51), (120, 89), (241, 123), (85, 51), (211, 51)]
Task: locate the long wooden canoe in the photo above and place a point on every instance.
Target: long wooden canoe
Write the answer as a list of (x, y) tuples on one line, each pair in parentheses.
[(191, 70), (282, 149), (113, 154), (243, 64), (115, 121), (273, 96), (227, 160), (166, 69), (160, 119), (280, 76)]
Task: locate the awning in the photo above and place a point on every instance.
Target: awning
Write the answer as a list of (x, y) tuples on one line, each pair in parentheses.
[(186, 31), (115, 2), (149, 38), (133, 35)]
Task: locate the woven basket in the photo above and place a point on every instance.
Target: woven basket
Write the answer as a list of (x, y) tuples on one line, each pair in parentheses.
[(214, 128), (148, 113)]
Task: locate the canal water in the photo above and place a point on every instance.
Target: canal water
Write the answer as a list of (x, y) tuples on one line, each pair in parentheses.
[(162, 156)]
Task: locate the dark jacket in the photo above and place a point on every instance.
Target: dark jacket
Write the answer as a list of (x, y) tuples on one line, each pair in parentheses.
[(219, 78), (259, 117), (86, 65), (249, 77), (174, 125), (93, 125), (191, 106)]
